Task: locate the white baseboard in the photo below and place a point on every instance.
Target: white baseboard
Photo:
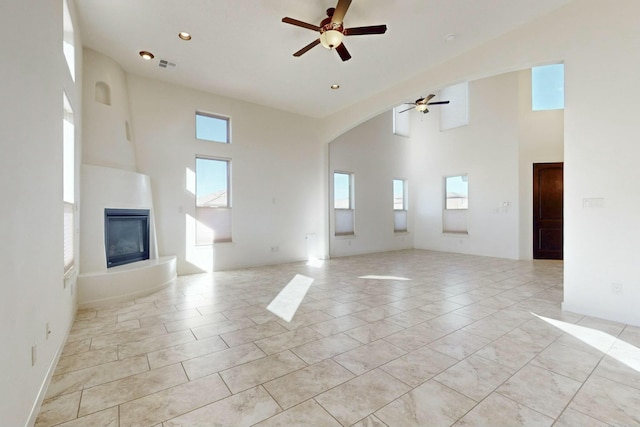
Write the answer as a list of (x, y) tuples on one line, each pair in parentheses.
[(35, 409)]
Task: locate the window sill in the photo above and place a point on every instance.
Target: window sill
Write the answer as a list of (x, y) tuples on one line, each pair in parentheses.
[(344, 235), (70, 272), (217, 242)]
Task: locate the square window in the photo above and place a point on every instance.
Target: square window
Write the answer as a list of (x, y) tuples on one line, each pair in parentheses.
[(210, 127), (547, 87)]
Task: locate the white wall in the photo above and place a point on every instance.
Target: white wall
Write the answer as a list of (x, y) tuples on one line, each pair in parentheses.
[(375, 156), (502, 141), (105, 140), (33, 76), (598, 43), (487, 151), (601, 161), (278, 169)]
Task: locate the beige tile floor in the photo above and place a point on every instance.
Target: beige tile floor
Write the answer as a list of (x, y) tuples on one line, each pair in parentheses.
[(465, 341)]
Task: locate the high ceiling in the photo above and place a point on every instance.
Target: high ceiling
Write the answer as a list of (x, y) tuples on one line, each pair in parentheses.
[(241, 49)]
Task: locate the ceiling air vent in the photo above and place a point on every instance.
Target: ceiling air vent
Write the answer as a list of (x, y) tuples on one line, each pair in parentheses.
[(167, 64)]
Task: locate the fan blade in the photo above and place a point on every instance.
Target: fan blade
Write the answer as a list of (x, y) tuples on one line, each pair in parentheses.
[(406, 110), (428, 98), (343, 52), (341, 10), (437, 102), (307, 47), (300, 24), (371, 29)]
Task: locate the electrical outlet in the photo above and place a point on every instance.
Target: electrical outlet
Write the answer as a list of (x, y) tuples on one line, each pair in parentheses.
[(616, 288), (34, 354)]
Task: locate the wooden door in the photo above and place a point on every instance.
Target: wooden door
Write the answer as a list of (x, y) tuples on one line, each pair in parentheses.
[(547, 210)]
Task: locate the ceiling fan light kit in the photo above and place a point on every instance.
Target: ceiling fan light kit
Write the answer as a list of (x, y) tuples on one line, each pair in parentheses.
[(331, 38), (332, 31), (422, 104)]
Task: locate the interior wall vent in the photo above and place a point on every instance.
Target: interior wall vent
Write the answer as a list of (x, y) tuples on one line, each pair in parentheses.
[(167, 64)]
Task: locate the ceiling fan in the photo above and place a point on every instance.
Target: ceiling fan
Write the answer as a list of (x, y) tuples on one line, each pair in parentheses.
[(332, 30), (421, 104)]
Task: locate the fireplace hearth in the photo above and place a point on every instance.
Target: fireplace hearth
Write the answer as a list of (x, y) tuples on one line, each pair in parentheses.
[(126, 235)]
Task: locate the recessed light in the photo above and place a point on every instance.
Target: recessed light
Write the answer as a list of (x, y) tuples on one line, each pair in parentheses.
[(146, 55), (335, 86), (184, 35), (451, 37)]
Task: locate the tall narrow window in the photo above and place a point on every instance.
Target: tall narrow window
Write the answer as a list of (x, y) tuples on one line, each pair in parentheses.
[(547, 87), (343, 203), (213, 200), (457, 192), (401, 120), (68, 44), (210, 127), (456, 204), (399, 205), (456, 113), (68, 181)]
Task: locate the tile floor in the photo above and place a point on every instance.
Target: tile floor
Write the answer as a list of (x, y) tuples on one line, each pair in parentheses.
[(409, 338)]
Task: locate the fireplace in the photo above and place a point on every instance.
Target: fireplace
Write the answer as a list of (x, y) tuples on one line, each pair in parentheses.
[(126, 235)]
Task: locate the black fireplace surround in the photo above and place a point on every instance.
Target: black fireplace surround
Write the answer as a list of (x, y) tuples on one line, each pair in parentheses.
[(126, 235)]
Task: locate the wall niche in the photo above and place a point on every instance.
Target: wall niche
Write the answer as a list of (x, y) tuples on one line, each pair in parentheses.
[(103, 93)]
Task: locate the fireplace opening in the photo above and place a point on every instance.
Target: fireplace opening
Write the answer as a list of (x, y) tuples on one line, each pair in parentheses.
[(126, 235)]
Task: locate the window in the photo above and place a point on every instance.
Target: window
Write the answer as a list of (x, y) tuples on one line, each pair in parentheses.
[(210, 127), (401, 120), (456, 113), (68, 48), (343, 203), (456, 204), (342, 190), (68, 181), (399, 205), (547, 87), (212, 183), (399, 202), (456, 192), (213, 201)]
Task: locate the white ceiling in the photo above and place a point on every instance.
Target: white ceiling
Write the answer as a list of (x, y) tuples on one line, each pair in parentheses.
[(241, 49)]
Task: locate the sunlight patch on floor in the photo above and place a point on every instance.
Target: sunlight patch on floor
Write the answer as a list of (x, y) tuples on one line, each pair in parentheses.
[(315, 262), (616, 348), (286, 303)]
